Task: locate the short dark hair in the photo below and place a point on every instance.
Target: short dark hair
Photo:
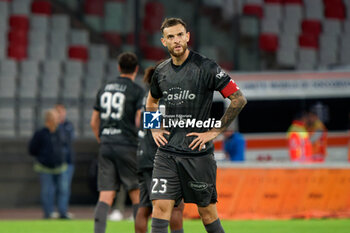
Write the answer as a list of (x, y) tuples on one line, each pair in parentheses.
[(147, 77), (127, 62), (169, 22)]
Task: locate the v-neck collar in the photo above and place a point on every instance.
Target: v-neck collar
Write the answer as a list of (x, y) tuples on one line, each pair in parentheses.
[(178, 68)]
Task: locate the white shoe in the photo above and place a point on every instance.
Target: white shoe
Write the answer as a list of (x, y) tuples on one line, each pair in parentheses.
[(116, 215), (130, 218), (54, 215)]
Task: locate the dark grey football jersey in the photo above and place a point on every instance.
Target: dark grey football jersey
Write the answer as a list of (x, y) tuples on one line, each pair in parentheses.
[(146, 151), (118, 101), (147, 147), (187, 91)]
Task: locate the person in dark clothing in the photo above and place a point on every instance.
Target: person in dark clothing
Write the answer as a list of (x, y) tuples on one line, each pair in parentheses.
[(67, 129), (47, 146)]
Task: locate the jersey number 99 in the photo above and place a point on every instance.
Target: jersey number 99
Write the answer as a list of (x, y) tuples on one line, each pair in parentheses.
[(113, 103)]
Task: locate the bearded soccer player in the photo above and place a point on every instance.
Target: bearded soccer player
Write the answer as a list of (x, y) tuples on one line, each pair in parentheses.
[(114, 121), (184, 165)]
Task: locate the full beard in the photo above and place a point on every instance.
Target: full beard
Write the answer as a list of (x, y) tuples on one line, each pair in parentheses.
[(178, 54)]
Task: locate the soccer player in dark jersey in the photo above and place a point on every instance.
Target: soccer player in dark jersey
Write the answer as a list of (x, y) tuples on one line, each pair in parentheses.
[(115, 120), (184, 166), (145, 157)]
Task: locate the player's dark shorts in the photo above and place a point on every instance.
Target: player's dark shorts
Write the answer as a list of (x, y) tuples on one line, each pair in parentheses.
[(116, 166), (145, 180), (191, 178)]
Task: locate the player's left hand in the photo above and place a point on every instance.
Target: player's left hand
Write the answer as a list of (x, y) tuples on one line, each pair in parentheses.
[(201, 139)]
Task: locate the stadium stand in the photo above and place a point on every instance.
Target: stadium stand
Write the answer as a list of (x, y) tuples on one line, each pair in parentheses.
[(44, 59), (7, 119), (313, 22), (292, 34)]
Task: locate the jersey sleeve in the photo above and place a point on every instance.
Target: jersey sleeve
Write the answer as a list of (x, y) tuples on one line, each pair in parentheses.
[(154, 88), (97, 105), (219, 80)]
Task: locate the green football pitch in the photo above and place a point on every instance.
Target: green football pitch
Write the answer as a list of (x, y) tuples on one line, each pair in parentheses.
[(190, 226)]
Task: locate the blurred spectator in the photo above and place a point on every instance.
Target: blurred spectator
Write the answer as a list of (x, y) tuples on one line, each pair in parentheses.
[(47, 145), (234, 146), (67, 129), (318, 136), (298, 140), (322, 111)]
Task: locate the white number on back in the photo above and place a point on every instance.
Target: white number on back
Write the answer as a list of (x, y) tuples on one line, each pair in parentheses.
[(113, 104)]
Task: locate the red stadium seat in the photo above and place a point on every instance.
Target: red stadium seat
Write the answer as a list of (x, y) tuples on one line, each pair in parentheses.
[(113, 38), (293, 2), (42, 7), (332, 2), (254, 10), (153, 53), (191, 41), (17, 52), (154, 15), (311, 27), (227, 65), (151, 24), (78, 53), (94, 7), (308, 41), (154, 9), (130, 39), (268, 42), (19, 22), (274, 1), (18, 37), (335, 11)]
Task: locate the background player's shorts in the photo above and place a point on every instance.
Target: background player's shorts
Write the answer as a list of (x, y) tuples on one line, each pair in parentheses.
[(145, 180), (191, 178), (116, 166)]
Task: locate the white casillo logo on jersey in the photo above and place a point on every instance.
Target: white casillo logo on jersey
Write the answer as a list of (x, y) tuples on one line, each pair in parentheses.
[(176, 95)]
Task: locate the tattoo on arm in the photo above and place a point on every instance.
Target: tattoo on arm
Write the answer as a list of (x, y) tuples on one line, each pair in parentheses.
[(237, 103)]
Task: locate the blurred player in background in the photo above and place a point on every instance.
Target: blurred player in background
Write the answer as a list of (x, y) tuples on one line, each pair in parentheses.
[(114, 121), (145, 158), (119, 205), (184, 166)]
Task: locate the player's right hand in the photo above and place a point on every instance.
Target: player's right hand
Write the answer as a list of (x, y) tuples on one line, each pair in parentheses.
[(158, 136)]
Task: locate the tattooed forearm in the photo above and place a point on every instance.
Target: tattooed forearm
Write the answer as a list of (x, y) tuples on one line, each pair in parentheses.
[(237, 103)]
